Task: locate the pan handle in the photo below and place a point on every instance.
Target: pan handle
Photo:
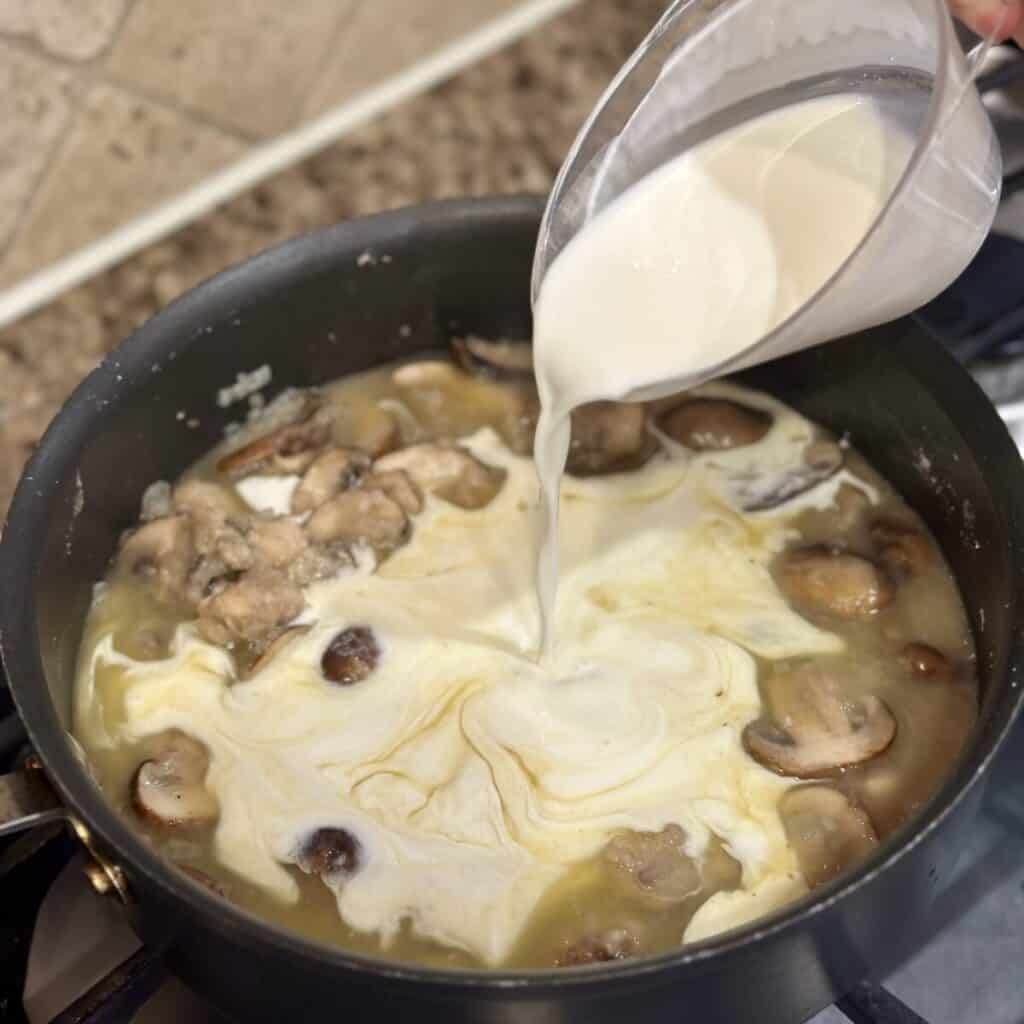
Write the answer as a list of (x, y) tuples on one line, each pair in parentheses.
[(27, 800)]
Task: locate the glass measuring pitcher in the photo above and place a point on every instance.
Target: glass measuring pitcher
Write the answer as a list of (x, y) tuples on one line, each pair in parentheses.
[(710, 65)]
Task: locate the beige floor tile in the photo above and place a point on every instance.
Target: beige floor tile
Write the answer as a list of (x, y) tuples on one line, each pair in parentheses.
[(35, 108), (247, 64), (386, 36), (71, 29), (121, 158)]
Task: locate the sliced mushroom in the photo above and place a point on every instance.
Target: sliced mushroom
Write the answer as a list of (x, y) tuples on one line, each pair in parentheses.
[(613, 944), (447, 470), (351, 656), (332, 471), (761, 491), (828, 833), (162, 552), (330, 853), (398, 486), (169, 789), (367, 427), (826, 579), (609, 437), (814, 729), (360, 516), (251, 609), (902, 549), (714, 424), (276, 543), (926, 662), (287, 450), (274, 648), (495, 360), (656, 862), (426, 373)]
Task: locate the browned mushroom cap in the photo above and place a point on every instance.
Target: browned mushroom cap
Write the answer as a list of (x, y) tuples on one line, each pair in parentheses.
[(656, 862), (329, 853), (447, 470), (360, 516), (162, 552), (351, 656), (274, 648), (613, 944), (714, 424), (825, 579), (331, 471), (496, 360), (902, 549), (286, 450), (828, 833), (169, 789), (926, 662), (814, 728), (609, 437), (250, 610), (397, 485)]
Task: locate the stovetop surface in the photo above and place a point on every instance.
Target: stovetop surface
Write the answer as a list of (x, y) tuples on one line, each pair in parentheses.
[(57, 937)]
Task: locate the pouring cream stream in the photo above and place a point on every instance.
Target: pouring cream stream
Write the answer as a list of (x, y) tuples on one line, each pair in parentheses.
[(697, 262)]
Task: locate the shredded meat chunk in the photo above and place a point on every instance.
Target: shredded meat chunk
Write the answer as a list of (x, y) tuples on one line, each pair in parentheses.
[(250, 610), (447, 470), (332, 471), (360, 516)]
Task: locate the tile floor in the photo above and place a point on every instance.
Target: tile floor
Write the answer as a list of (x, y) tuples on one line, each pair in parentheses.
[(110, 107)]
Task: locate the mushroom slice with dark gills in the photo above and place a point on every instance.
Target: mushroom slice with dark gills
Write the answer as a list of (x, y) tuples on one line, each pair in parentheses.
[(351, 656), (714, 424), (447, 470), (902, 549), (286, 450), (332, 471), (828, 833), (495, 360), (656, 863), (814, 728), (833, 581), (362, 515), (250, 610), (759, 491), (331, 853), (609, 437), (170, 789), (162, 552)]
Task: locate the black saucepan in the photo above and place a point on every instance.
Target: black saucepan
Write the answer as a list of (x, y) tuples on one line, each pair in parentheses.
[(342, 300)]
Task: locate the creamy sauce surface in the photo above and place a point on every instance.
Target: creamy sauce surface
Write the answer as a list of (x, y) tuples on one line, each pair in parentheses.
[(473, 776)]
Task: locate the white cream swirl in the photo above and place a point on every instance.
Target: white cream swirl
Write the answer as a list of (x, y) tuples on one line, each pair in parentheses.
[(473, 776)]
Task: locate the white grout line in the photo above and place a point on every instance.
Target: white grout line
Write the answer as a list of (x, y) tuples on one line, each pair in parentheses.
[(270, 157)]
